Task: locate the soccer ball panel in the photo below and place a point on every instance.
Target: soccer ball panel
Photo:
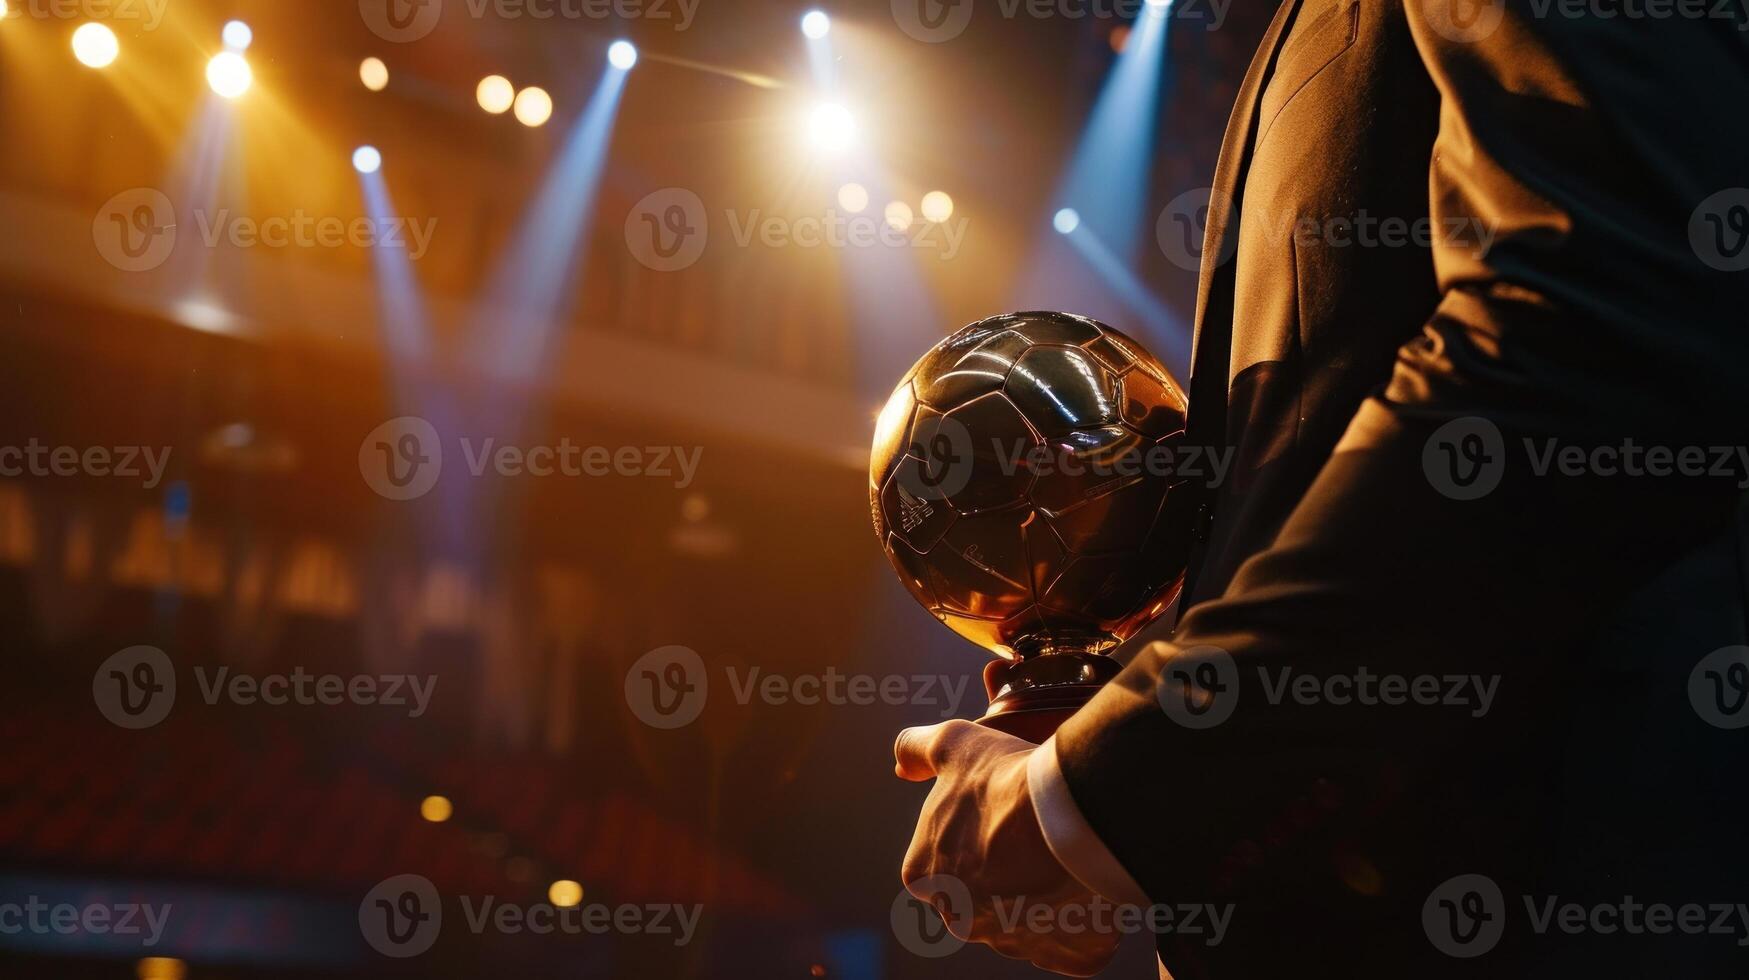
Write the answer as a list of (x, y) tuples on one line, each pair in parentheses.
[(1115, 521), (910, 511), (913, 570), (1085, 464), (978, 371), (1055, 328), (1061, 389), (1111, 352), (991, 445), (892, 434), (1150, 406), (980, 567)]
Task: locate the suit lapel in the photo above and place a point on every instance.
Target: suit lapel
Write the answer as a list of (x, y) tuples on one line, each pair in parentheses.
[(1211, 347)]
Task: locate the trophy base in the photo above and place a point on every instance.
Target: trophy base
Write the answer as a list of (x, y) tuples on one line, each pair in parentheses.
[(1032, 697)]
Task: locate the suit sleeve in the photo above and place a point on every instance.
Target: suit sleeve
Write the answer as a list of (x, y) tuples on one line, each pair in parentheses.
[(1599, 313)]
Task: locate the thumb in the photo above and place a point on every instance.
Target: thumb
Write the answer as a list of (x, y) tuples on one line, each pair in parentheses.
[(914, 753)]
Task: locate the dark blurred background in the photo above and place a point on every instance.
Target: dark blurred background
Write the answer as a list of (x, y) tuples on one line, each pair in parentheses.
[(256, 373)]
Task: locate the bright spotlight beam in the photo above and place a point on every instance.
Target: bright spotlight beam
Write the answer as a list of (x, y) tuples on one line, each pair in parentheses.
[(622, 55), (1108, 175), (1160, 321), (528, 292), (815, 26)]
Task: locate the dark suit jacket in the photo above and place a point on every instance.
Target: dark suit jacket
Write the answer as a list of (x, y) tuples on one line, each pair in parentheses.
[(1581, 151)]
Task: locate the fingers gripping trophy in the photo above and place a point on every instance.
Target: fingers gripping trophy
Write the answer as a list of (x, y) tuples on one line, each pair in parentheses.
[(1021, 486)]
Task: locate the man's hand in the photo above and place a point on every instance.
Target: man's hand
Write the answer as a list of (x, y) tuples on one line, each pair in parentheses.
[(978, 827)]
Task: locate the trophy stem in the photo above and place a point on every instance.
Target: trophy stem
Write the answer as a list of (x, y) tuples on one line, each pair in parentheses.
[(1049, 681)]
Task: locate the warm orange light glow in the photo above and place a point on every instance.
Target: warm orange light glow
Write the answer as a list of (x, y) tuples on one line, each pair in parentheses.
[(565, 893)]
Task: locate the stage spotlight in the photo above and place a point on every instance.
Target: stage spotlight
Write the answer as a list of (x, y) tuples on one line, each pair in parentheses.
[(1157, 4), (898, 215), (1066, 220), (228, 74), (816, 24), (937, 207), (366, 159), (237, 35), (622, 55), (564, 894), (95, 45), (494, 94), (374, 74), (831, 128), (533, 106), (853, 198)]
